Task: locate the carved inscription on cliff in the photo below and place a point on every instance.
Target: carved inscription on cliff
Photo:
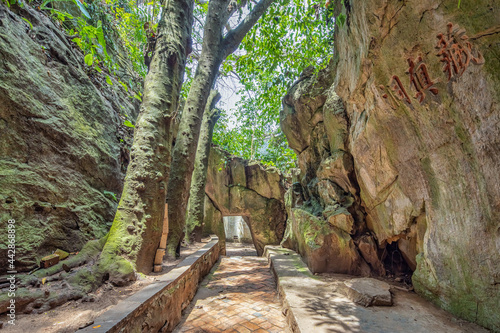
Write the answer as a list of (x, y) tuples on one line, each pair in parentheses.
[(456, 53)]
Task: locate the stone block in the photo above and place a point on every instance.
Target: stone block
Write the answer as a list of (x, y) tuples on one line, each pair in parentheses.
[(160, 253), (49, 261), (368, 292), (163, 241), (62, 254), (165, 220)]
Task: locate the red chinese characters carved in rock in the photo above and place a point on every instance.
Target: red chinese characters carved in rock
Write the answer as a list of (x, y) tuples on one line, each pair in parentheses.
[(398, 89), (420, 79), (456, 52)]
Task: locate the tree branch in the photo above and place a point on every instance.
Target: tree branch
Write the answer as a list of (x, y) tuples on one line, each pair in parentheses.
[(212, 100), (201, 23), (232, 7), (214, 22), (235, 36)]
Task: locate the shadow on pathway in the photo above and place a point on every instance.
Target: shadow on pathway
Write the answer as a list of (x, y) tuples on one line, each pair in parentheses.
[(238, 296)]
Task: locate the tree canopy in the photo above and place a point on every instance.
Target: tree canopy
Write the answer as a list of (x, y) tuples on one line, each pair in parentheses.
[(291, 36)]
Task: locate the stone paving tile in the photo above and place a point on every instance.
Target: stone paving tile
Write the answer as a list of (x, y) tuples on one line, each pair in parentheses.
[(239, 297)]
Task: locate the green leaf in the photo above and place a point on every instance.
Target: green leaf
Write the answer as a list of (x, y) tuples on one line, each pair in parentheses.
[(341, 18), (89, 59), (98, 69), (31, 25), (124, 86), (82, 8), (44, 4), (110, 195), (128, 124), (108, 80), (138, 97), (100, 38)]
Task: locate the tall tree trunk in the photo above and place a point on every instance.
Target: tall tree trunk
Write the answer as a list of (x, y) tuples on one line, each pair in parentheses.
[(196, 201), (187, 136), (137, 227), (214, 50)]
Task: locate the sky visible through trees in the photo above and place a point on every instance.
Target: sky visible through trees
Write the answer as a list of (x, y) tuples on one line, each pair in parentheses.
[(291, 36), (288, 39)]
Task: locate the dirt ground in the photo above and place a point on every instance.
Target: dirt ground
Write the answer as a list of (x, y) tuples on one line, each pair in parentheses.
[(72, 315)]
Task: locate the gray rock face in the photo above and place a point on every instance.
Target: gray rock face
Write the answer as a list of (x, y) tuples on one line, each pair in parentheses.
[(324, 209), (422, 169), (60, 147), (237, 187), (368, 292)]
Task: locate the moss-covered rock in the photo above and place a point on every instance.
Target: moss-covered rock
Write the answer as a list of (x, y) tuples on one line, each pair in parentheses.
[(60, 149), (238, 187), (213, 223), (88, 254), (424, 173), (324, 247)]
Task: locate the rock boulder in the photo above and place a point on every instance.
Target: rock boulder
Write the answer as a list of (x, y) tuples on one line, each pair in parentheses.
[(236, 187), (368, 292), (63, 146), (419, 158)]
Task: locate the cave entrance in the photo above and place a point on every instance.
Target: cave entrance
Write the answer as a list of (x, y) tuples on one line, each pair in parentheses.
[(395, 264), (238, 236)]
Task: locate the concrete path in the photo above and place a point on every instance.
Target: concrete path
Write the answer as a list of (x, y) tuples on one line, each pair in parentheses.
[(317, 304), (240, 296)]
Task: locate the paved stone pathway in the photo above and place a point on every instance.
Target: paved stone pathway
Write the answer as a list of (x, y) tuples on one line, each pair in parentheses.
[(239, 297)]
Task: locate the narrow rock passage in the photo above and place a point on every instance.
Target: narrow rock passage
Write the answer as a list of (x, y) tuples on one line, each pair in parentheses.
[(240, 296)]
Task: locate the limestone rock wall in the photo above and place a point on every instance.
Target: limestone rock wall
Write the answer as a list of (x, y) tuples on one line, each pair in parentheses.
[(408, 146), (237, 187), (62, 142)]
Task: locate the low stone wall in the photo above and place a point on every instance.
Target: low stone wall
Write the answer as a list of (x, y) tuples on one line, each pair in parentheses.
[(158, 307), (285, 266)]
